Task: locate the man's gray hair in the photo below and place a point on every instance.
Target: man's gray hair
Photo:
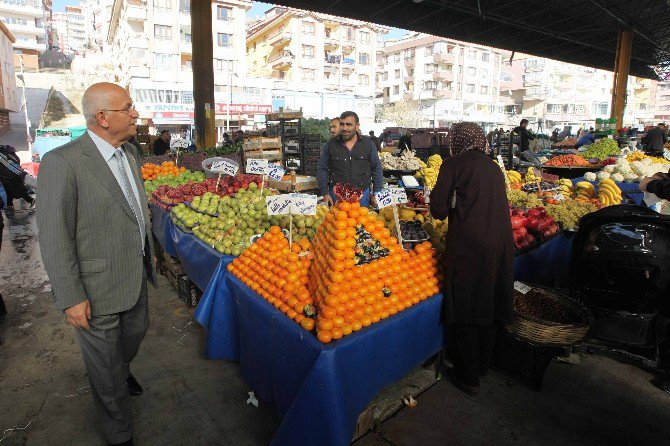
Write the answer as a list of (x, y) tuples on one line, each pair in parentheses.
[(92, 102)]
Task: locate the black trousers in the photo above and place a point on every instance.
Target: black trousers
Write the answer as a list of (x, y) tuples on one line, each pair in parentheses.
[(471, 350)]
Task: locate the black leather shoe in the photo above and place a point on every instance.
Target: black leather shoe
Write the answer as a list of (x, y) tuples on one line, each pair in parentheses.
[(134, 387), (127, 442)]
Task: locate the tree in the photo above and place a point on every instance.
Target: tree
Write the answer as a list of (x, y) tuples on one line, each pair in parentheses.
[(404, 114)]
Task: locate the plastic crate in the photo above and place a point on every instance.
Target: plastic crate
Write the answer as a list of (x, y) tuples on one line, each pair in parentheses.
[(188, 292)]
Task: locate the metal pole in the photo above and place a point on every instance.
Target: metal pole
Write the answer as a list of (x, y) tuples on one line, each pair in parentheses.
[(230, 102), (24, 103)]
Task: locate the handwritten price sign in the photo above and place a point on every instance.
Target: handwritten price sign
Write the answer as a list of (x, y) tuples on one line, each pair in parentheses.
[(275, 172), (399, 196), (303, 204), (257, 166), (278, 204), (224, 167), (384, 198), (521, 287)]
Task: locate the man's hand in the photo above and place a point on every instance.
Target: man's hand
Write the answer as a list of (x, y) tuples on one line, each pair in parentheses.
[(644, 182), (373, 200), (328, 200), (79, 315)]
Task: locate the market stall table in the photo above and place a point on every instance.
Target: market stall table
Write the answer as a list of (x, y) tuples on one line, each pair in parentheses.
[(163, 227)]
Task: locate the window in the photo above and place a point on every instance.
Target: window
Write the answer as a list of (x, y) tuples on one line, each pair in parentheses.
[(396, 89), (485, 73), (472, 54), (185, 34), (460, 69), (495, 91), (484, 89), (308, 51), (345, 76), (185, 6), (600, 108), (429, 68), (223, 66), (429, 85), (472, 71), (385, 76), (396, 57), (386, 60), (506, 77), (223, 40), (364, 58), (187, 65), (187, 97), (349, 33), (428, 51), (469, 88), (222, 13), (364, 37), (163, 5), (162, 32), (409, 54), (308, 28), (410, 72), (307, 74), (485, 57), (397, 74), (363, 80), (164, 61)]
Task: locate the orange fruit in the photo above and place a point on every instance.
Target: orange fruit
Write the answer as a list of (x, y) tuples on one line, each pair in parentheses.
[(324, 336)]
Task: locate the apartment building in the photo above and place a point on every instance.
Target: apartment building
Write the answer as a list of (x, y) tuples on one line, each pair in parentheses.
[(447, 80), (58, 30), (97, 15), (9, 101), (318, 62), (662, 110), (25, 19), (151, 42), (76, 29)]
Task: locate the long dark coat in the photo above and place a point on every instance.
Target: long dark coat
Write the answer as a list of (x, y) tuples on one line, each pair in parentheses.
[(479, 273)]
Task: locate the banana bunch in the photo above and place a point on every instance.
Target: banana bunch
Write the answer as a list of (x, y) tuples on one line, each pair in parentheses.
[(514, 177), (565, 187), (530, 176), (429, 171), (585, 190), (608, 192)]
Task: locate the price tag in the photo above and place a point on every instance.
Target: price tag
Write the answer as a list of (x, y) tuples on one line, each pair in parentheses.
[(500, 161), (384, 198), (521, 287), (275, 172), (279, 204), (257, 166), (399, 196), (224, 167), (559, 197), (303, 204)]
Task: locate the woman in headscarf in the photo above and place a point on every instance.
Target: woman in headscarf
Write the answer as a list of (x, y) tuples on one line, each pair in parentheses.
[(479, 278)]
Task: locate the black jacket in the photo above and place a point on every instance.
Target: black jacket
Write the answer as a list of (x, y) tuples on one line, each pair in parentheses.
[(358, 167), (654, 140), (660, 188), (161, 147), (524, 137)]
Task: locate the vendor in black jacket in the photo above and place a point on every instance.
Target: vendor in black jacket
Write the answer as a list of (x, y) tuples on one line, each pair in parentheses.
[(162, 144), (655, 139), (658, 185), (349, 158), (524, 135)]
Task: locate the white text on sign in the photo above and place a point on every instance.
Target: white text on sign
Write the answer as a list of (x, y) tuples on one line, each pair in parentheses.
[(303, 204), (256, 166), (278, 204), (224, 167), (275, 172), (384, 198)]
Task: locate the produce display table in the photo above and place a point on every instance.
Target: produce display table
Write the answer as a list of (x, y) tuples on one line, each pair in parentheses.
[(547, 264), (631, 189), (163, 228), (320, 390)]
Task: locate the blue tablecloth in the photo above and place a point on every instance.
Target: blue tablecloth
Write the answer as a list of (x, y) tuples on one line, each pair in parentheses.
[(547, 265), (163, 228), (319, 390), (631, 190)]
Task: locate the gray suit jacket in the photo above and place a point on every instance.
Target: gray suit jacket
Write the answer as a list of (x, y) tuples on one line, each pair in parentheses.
[(89, 237)]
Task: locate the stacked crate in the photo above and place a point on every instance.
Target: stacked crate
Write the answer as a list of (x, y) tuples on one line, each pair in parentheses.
[(311, 151)]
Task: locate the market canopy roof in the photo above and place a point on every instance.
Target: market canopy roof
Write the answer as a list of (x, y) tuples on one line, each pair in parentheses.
[(582, 32)]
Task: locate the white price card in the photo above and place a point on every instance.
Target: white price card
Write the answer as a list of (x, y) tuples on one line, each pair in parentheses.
[(399, 196), (256, 166), (384, 198), (275, 172), (224, 167), (303, 204), (279, 204), (500, 161), (521, 287)]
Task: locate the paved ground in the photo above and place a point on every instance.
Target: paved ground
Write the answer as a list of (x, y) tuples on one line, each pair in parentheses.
[(190, 400)]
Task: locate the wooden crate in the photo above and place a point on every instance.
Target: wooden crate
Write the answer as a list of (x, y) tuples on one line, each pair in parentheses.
[(301, 183)]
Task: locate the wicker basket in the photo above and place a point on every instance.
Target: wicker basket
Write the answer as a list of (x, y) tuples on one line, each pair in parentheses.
[(541, 332)]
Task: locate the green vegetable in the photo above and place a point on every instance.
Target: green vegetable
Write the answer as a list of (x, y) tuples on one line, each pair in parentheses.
[(602, 149)]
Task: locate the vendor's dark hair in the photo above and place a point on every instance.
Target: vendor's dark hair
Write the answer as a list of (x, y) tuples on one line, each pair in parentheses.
[(163, 132), (346, 114), (524, 121)]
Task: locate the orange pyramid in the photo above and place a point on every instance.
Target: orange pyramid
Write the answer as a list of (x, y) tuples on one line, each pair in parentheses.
[(352, 275)]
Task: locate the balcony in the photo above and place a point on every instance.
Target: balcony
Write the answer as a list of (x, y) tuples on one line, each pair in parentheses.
[(409, 61), (348, 44), (409, 78), (332, 60), (408, 96), (138, 42), (281, 61), (25, 29), (280, 38), (186, 47), (444, 93), (443, 75), (136, 11), (138, 72), (443, 57), (30, 45), (32, 8), (348, 64), (331, 41)]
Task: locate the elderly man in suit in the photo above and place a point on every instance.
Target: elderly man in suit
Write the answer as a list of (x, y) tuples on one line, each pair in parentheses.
[(96, 244)]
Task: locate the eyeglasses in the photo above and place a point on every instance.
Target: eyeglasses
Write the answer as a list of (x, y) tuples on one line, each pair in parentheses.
[(126, 110)]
